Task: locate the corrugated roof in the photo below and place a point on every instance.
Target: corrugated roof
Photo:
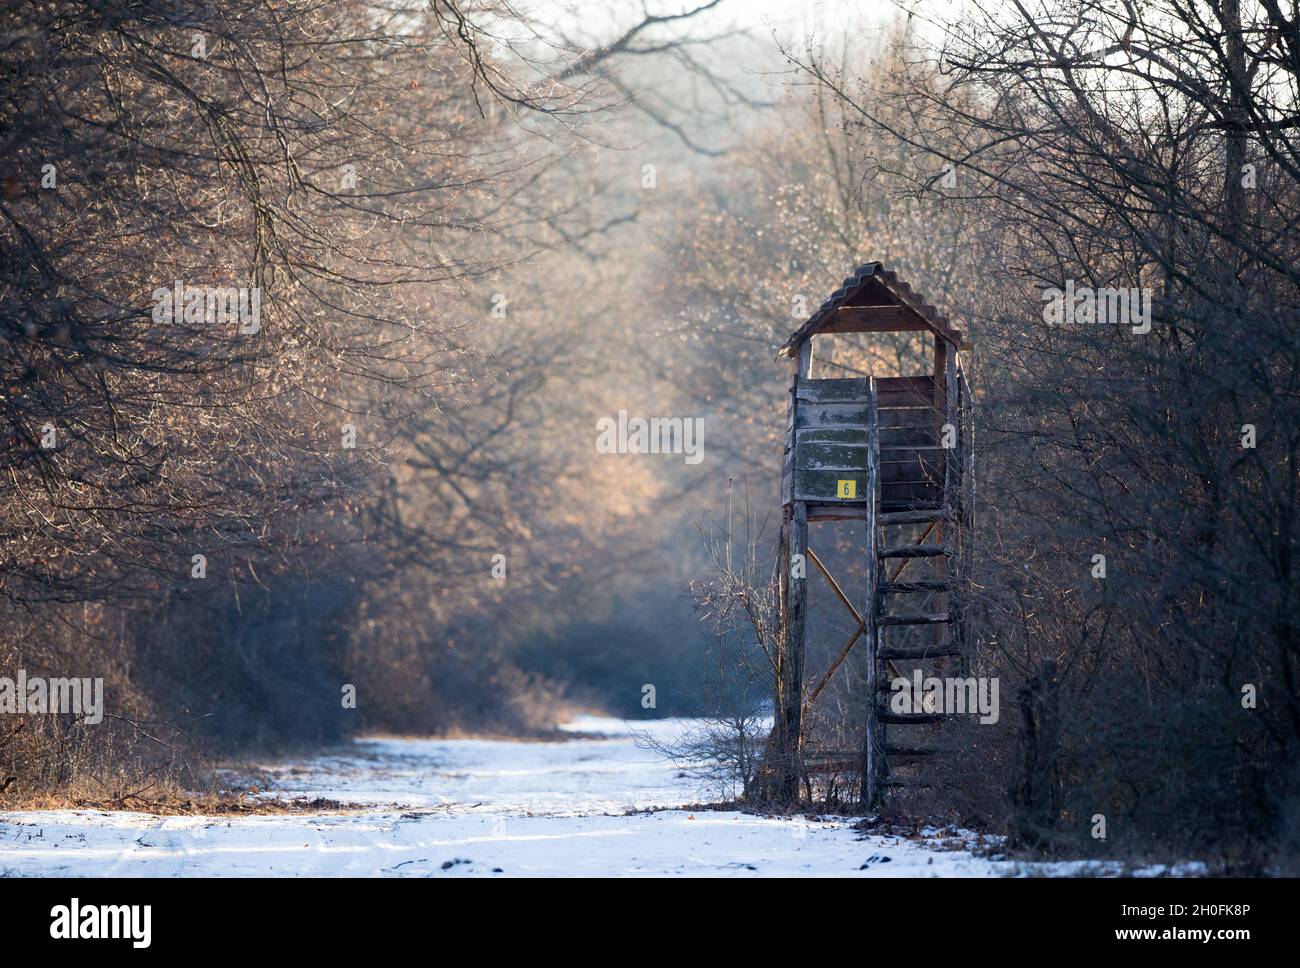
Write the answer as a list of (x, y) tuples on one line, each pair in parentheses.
[(871, 274)]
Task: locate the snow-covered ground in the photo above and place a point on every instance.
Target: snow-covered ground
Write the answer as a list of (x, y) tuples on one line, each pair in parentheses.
[(454, 808)]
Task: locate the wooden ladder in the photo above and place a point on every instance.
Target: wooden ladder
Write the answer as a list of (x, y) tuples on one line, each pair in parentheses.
[(893, 738)]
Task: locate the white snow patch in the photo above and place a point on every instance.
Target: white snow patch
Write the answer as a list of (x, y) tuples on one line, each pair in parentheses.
[(454, 808)]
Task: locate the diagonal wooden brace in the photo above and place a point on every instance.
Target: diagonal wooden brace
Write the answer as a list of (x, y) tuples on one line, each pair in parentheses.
[(848, 646)]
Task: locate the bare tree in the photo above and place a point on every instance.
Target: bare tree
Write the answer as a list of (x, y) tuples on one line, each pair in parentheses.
[(1146, 148)]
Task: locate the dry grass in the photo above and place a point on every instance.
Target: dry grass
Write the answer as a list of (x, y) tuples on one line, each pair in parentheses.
[(180, 804)]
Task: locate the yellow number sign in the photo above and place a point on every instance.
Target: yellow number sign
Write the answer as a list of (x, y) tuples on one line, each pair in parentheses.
[(846, 488)]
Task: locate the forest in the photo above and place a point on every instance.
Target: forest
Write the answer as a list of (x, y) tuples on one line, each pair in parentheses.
[(325, 328)]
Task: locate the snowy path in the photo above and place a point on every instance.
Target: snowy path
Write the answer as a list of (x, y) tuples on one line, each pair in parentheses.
[(452, 808)]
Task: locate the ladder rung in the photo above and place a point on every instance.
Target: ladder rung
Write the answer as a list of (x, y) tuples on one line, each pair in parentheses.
[(907, 447), (913, 618), (917, 517), (913, 551), (914, 750), (910, 719), (917, 652), (903, 587)]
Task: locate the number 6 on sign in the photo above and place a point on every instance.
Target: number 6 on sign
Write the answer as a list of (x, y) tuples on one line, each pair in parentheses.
[(846, 488)]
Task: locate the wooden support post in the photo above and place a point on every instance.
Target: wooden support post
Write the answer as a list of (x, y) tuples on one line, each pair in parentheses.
[(941, 356), (950, 535), (951, 416), (873, 745), (794, 607), (967, 412), (789, 712)]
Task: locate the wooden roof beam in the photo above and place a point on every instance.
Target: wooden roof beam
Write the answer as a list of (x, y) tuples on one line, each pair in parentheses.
[(872, 319), (886, 319)]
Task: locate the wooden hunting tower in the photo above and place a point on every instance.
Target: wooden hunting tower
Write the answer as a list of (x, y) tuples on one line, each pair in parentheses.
[(894, 453)]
